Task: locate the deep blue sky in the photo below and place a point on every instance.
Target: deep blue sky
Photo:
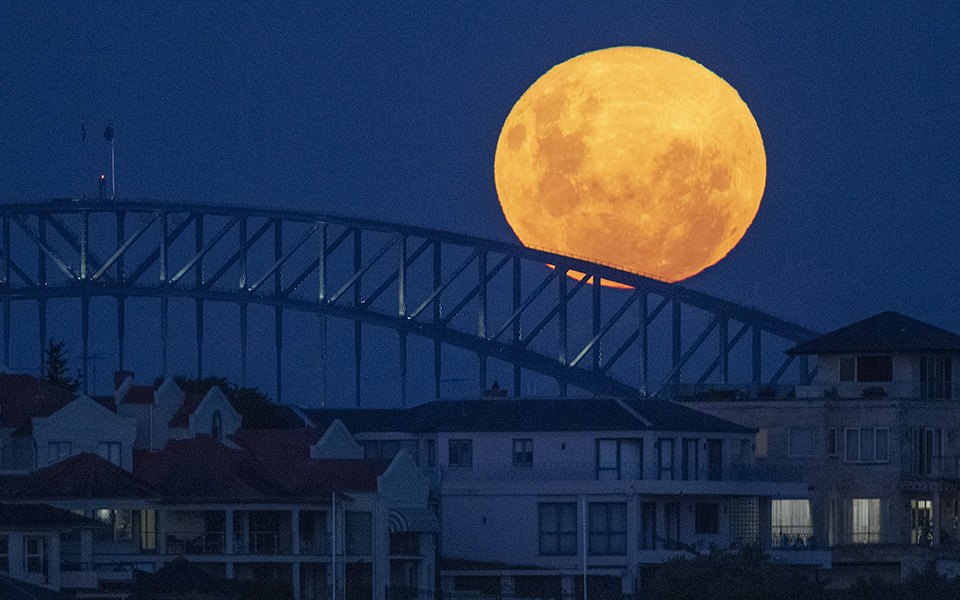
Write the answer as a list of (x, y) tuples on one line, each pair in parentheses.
[(393, 110)]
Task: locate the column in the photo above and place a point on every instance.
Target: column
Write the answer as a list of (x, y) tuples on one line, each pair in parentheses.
[(935, 520), (507, 586), (228, 541), (86, 549), (53, 555), (162, 531), (295, 531)]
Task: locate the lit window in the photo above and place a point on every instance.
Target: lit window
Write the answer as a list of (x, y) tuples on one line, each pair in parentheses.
[(558, 528), (921, 522), (866, 521), (119, 522), (791, 522), (460, 453), (523, 452)]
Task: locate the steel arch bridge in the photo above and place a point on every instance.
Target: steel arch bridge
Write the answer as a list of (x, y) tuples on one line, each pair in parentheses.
[(498, 302)]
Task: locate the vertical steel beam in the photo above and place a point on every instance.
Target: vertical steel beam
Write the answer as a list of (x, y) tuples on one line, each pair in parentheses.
[(164, 363), (597, 325), (804, 378), (322, 298), (242, 239), (198, 238), (85, 336), (402, 312), (42, 283), (677, 342), (482, 318), (243, 343), (278, 311), (6, 284), (517, 293), (403, 369), (84, 245), (437, 314), (242, 284), (121, 304), (756, 354), (357, 325), (164, 246), (562, 327), (644, 345), (724, 350)]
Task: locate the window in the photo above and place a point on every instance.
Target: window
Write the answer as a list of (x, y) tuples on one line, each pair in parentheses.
[(866, 445), (744, 520), (833, 442), (665, 458), (558, 528), (689, 468), (4, 553), (388, 449), (714, 460), (921, 522), (925, 449), (523, 453), (871, 368), (358, 531), (608, 460), (216, 426), (57, 451), (800, 441), (648, 525), (791, 522), (34, 555), (707, 518), (119, 522), (671, 518), (431, 453), (148, 529), (111, 451), (761, 444), (936, 377), (608, 528), (866, 521), (461, 453)]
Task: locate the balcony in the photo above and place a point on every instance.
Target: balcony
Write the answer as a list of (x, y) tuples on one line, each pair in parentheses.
[(921, 466), (510, 472), (196, 543)]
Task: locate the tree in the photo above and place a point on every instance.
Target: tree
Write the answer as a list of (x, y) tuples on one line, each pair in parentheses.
[(56, 368), (256, 408)]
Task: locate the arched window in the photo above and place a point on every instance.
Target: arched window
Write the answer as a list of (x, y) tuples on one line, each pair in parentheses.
[(216, 427)]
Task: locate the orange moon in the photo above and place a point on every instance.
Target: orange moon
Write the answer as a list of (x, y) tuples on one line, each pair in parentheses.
[(633, 157)]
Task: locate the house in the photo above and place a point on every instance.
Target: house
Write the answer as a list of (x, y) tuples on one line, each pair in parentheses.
[(532, 494), (875, 435)]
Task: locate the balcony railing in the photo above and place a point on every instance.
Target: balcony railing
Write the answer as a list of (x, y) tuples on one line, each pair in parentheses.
[(930, 467), (588, 472), (196, 542)]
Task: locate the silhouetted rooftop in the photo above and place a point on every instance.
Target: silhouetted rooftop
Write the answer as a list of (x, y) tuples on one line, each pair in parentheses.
[(887, 332)]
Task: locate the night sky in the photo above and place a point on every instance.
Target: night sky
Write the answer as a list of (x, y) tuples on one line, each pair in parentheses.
[(393, 110)]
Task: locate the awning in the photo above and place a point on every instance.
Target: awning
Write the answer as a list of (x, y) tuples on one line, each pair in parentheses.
[(413, 519)]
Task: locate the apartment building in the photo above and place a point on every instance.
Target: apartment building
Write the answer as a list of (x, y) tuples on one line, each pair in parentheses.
[(875, 435), (535, 494)]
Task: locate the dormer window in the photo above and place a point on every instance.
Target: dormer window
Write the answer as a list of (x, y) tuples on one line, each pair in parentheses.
[(216, 426), (867, 368)]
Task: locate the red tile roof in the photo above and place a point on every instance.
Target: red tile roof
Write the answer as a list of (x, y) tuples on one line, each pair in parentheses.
[(181, 418), (204, 469), (23, 397), (84, 475), (278, 444)]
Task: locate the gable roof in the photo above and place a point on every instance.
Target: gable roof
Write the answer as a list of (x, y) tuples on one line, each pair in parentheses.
[(84, 475), (526, 415), (887, 332)]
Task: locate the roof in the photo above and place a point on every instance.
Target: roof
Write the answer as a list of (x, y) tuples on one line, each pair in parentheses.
[(202, 468), (40, 516), (887, 332), (23, 397), (14, 589), (181, 418), (527, 415), (277, 443), (139, 394), (84, 475)]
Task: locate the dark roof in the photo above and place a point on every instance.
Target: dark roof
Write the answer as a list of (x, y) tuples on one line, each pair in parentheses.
[(278, 443), (887, 332), (181, 418), (202, 468), (40, 516), (520, 415), (84, 475), (139, 394), (14, 589), (23, 397)]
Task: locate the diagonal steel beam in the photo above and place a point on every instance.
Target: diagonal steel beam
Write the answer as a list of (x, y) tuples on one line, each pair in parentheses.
[(126, 245), (439, 289), (153, 256), (236, 255), (783, 368), (556, 309), (610, 323), (691, 350), (527, 302), (616, 355), (71, 239), (730, 345), (476, 290), (359, 273), (395, 274), (285, 257), (45, 247), (207, 248)]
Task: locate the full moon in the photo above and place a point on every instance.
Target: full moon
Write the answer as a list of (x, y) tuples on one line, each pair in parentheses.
[(633, 157)]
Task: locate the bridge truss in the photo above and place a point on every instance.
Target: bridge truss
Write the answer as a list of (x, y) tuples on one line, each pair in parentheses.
[(498, 303)]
